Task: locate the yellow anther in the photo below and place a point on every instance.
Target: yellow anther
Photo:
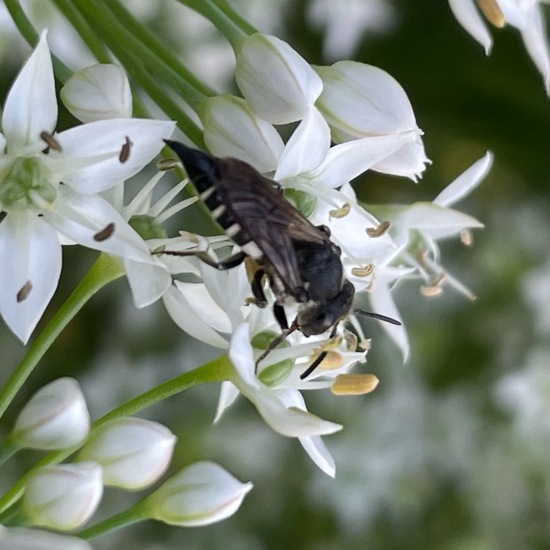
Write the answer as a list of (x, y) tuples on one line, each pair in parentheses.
[(354, 384)]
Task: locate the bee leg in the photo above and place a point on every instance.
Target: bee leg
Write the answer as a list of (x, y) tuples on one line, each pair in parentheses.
[(313, 365), (280, 316), (257, 288), (320, 357), (222, 265)]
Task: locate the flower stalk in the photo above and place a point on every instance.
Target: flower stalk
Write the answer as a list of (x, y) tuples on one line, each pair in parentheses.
[(105, 270)]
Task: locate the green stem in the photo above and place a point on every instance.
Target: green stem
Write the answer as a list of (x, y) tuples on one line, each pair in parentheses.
[(105, 270), (126, 50), (236, 17), (119, 37), (7, 450), (221, 19), (219, 370), (135, 513), (150, 41), (28, 31)]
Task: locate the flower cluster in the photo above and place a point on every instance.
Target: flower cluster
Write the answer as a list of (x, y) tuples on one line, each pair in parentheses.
[(348, 118), (64, 188), (125, 452)]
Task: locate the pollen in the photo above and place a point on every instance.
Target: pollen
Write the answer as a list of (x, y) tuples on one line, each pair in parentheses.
[(466, 237), (125, 151), (341, 212), (354, 384), (51, 142), (491, 10), (332, 361), (363, 271), (382, 228)]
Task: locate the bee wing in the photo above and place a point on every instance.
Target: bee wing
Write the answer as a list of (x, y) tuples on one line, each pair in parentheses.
[(267, 218)]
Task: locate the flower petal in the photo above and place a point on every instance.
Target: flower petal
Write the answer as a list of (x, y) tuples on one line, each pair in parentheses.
[(98, 92), (30, 254), (346, 161), (307, 147), (364, 100), (278, 84), (318, 452), (83, 218), (148, 281), (107, 137), (231, 129), (468, 180), (184, 316), (469, 17), (31, 105)]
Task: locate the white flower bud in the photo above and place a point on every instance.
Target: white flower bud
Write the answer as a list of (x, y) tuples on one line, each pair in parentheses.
[(133, 452), (200, 494), (37, 539), (231, 129), (279, 85), (98, 92), (359, 101), (55, 417), (64, 496)]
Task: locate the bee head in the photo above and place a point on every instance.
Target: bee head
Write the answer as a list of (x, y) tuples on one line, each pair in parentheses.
[(318, 317)]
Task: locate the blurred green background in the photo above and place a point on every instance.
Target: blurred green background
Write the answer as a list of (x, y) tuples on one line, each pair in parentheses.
[(452, 451)]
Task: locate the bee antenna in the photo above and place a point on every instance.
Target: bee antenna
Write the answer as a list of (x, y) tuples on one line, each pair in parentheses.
[(378, 316)]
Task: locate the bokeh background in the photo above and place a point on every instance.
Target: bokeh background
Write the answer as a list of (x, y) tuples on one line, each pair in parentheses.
[(452, 451)]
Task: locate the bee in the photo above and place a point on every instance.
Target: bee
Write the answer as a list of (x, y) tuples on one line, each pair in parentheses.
[(301, 264)]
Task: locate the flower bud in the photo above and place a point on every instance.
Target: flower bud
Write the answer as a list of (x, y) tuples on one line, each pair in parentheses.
[(133, 452), (98, 92), (200, 494), (279, 85), (231, 129), (37, 539), (64, 496), (360, 100), (55, 417)]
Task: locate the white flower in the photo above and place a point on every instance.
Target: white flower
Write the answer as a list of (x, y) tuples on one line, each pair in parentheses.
[(133, 452), (283, 407), (201, 494), (64, 496), (98, 92), (279, 85), (55, 417), (525, 15), (34, 162), (37, 539), (360, 100), (416, 229)]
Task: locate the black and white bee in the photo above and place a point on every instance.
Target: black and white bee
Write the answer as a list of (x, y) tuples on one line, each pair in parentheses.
[(301, 264)]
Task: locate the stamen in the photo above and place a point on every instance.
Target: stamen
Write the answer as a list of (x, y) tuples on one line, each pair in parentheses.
[(350, 340), (105, 233), (491, 10), (365, 343), (354, 384), (163, 165), (23, 292), (466, 237), (363, 271), (125, 151), (382, 228), (51, 142), (341, 212), (435, 288), (332, 360)]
